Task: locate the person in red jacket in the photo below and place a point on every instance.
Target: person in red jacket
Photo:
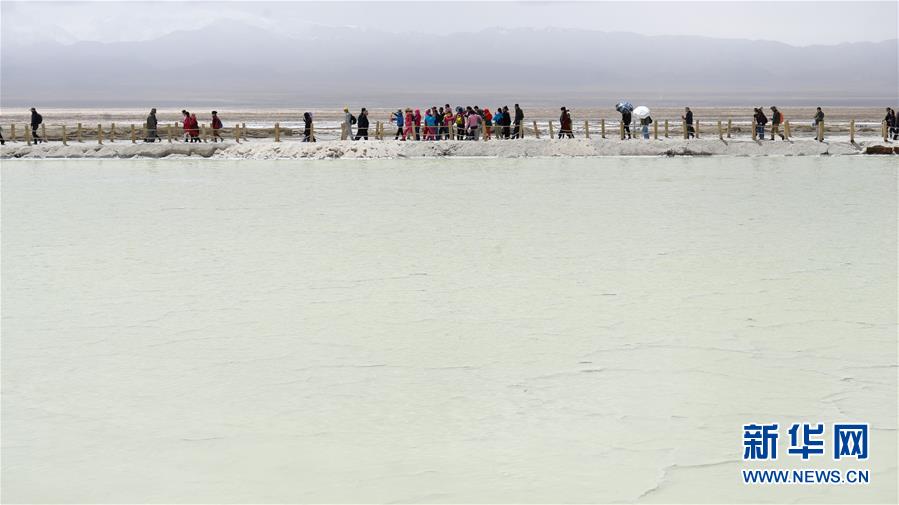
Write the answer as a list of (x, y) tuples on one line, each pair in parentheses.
[(185, 121), (194, 128)]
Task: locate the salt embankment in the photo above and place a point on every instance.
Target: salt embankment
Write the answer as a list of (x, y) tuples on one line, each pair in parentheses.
[(526, 148)]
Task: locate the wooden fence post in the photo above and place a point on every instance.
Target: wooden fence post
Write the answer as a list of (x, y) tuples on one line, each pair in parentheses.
[(655, 130), (683, 125), (27, 134), (720, 131), (885, 131), (602, 128), (551, 136), (169, 132), (133, 135), (112, 133), (277, 132), (79, 133), (99, 133), (755, 135), (787, 129), (12, 132), (536, 130), (243, 131), (696, 133), (821, 131), (44, 132), (235, 131), (728, 127), (586, 128), (64, 141), (621, 129), (852, 131), (666, 128)]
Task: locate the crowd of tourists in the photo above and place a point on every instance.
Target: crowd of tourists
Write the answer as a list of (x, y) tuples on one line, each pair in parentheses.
[(470, 123)]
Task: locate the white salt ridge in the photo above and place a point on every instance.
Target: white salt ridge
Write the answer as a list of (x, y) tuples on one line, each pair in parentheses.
[(527, 148)]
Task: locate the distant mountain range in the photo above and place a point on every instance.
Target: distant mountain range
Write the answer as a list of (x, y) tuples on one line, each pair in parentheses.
[(237, 64)]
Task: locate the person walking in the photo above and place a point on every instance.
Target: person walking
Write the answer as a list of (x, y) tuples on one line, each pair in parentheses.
[(488, 123), (519, 117), (819, 120), (216, 124), (308, 136), (152, 126), (760, 121), (688, 120), (36, 120), (362, 125), (776, 119), (644, 126), (892, 124), (185, 125), (349, 120), (397, 117), (626, 121), (565, 124), (194, 128)]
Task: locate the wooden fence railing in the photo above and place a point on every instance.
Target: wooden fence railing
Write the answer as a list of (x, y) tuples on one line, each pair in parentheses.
[(378, 130)]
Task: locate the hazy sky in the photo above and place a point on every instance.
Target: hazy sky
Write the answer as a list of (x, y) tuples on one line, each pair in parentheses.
[(797, 23)]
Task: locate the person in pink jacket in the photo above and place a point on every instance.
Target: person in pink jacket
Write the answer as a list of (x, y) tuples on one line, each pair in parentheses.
[(408, 125)]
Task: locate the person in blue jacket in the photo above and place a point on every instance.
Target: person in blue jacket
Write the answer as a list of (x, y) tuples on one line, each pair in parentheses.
[(398, 119)]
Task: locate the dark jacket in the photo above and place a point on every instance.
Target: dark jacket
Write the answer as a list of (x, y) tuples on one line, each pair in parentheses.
[(761, 118), (626, 117), (36, 118), (689, 117), (362, 122), (565, 119), (519, 115), (777, 117), (819, 116)]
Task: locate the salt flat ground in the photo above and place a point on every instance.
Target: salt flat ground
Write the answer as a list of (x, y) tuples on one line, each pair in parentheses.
[(449, 330)]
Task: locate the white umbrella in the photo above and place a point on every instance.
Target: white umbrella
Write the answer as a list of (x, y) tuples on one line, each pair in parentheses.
[(641, 111)]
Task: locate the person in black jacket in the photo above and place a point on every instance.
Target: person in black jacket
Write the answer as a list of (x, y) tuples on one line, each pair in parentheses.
[(362, 125), (152, 125), (688, 120), (565, 127), (819, 118), (307, 128), (892, 125), (519, 117), (760, 121), (626, 121), (36, 120)]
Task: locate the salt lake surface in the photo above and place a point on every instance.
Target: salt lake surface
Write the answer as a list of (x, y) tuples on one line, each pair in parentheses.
[(447, 330)]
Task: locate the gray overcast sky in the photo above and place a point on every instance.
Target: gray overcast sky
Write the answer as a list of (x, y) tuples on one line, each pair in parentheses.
[(797, 23)]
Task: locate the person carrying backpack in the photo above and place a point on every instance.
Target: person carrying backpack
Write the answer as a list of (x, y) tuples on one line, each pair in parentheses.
[(216, 126), (776, 119), (349, 120), (36, 120)]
